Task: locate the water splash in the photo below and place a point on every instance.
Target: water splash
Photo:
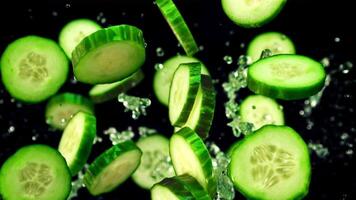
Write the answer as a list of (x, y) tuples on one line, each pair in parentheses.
[(266, 53), (117, 137), (136, 105), (78, 183), (239, 127), (163, 168), (319, 149), (145, 131)]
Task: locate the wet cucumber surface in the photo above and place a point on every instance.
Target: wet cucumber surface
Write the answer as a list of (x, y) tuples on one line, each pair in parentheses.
[(313, 34)]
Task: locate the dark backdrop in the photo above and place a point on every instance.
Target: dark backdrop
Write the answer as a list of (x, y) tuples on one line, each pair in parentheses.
[(312, 24)]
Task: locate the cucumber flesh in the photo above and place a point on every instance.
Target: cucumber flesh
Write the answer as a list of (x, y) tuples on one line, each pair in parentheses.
[(61, 108), (109, 55), (163, 77), (272, 163), (260, 110), (287, 77), (77, 141), (35, 172), (155, 149), (33, 68), (277, 43), (112, 168), (74, 32)]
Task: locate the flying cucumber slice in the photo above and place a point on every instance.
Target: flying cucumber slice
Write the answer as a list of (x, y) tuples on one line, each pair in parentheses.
[(62, 107), (112, 168), (277, 43), (109, 55), (190, 156), (202, 114), (155, 151), (163, 77), (179, 188), (272, 163), (77, 141), (286, 77), (35, 172), (104, 92), (180, 29), (260, 110), (252, 13), (33, 68), (184, 89), (74, 32)]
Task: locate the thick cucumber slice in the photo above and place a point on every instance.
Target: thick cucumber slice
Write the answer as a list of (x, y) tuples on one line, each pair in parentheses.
[(74, 32), (202, 114), (33, 68), (35, 172), (112, 168), (287, 77), (277, 43), (260, 110), (77, 141), (184, 89), (155, 149), (163, 77), (272, 163), (180, 29), (105, 92), (252, 13), (181, 187), (62, 107), (109, 55), (190, 156)]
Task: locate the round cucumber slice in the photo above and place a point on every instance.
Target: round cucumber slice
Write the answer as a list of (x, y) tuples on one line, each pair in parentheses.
[(109, 55), (104, 92), (62, 107), (260, 110), (77, 141), (272, 163), (112, 168), (252, 13), (181, 187), (74, 32), (33, 68), (180, 29), (35, 172), (190, 156), (155, 149), (184, 89), (286, 77), (163, 77), (277, 43)]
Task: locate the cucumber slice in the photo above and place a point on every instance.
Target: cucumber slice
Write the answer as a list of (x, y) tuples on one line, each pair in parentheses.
[(155, 149), (252, 13), (62, 107), (202, 114), (180, 29), (112, 168), (287, 77), (277, 43), (109, 55), (272, 163), (163, 77), (105, 92), (190, 156), (184, 89), (33, 68), (35, 172), (181, 187), (77, 141), (74, 32), (260, 110)]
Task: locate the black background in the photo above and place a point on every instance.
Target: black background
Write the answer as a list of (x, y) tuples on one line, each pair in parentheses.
[(312, 24)]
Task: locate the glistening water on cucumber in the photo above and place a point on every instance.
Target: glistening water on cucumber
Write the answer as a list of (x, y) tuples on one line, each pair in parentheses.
[(272, 163), (287, 77), (35, 172), (109, 55), (33, 68)]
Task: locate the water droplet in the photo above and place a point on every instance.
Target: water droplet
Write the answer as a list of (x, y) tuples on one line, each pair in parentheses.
[(123, 13), (319, 149), (144, 131), (349, 152), (201, 48), (158, 66), (266, 53), (103, 20), (159, 52), (11, 129), (325, 62), (68, 5), (136, 105), (228, 60), (54, 13), (337, 39), (227, 43), (242, 45)]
